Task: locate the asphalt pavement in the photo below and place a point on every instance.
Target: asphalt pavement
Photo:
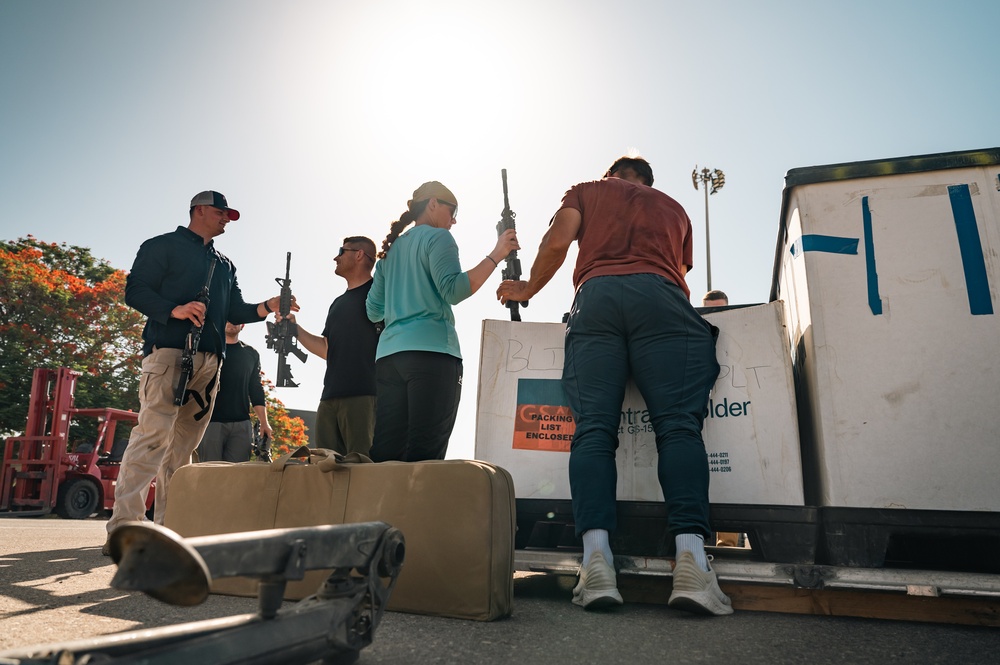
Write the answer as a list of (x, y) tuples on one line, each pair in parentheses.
[(55, 587)]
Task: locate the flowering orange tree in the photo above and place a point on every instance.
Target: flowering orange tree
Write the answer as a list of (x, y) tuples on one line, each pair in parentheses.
[(61, 307)]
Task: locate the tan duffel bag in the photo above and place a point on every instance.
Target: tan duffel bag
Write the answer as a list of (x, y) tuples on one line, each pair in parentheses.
[(457, 516)]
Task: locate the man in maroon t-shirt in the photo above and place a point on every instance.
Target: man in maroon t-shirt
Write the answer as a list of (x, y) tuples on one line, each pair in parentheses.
[(631, 318)]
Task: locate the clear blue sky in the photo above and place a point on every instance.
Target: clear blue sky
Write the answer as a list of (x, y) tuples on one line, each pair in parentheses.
[(318, 119)]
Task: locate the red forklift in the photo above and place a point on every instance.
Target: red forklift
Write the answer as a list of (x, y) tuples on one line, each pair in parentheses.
[(47, 469)]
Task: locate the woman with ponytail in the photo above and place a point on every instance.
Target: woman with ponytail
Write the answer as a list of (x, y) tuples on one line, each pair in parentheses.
[(418, 364)]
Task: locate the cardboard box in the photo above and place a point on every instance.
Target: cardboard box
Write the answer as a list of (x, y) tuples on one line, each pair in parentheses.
[(524, 423)]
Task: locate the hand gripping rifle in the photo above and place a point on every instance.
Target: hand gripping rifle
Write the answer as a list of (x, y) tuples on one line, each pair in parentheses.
[(512, 269), (261, 445), (281, 335), (191, 342)]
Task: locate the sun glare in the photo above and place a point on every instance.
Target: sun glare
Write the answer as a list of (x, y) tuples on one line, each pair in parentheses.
[(441, 80)]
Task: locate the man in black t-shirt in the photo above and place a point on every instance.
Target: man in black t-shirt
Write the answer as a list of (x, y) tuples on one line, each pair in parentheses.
[(229, 437), (345, 418)]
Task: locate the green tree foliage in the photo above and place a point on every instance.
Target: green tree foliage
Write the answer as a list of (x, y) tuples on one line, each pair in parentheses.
[(62, 307)]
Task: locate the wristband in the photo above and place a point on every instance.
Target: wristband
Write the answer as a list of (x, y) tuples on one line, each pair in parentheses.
[(495, 264), (267, 308)]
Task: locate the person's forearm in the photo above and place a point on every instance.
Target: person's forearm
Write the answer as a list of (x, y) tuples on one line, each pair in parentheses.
[(314, 343), (479, 274), (261, 412), (546, 264), (266, 307)]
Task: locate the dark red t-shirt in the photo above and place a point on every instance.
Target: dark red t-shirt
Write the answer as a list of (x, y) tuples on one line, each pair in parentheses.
[(629, 229)]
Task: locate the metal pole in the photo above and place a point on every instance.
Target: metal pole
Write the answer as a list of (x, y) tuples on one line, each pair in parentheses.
[(717, 179), (708, 246)]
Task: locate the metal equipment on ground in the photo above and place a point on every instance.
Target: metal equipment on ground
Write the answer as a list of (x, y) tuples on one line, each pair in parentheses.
[(334, 624)]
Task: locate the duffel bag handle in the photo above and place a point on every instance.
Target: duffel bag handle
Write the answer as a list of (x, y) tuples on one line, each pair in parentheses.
[(301, 455), (325, 459), (334, 460)]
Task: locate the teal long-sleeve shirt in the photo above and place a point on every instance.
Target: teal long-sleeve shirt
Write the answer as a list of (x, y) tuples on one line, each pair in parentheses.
[(413, 289)]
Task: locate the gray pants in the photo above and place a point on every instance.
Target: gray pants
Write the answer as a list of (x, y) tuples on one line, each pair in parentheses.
[(226, 442)]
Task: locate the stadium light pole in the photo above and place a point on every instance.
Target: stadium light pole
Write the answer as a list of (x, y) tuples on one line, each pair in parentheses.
[(711, 180)]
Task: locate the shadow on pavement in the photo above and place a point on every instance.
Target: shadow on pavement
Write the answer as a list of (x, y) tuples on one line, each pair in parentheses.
[(81, 578)]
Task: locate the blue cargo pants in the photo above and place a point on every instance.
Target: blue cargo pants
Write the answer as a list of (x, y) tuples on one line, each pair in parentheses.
[(640, 326)]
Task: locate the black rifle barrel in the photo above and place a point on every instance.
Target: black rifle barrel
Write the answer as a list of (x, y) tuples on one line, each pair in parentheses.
[(193, 339), (512, 269)]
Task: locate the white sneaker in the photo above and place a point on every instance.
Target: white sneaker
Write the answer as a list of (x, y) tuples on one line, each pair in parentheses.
[(597, 587), (697, 591)]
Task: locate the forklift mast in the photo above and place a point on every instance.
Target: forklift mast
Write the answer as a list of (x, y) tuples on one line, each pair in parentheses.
[(39, 473), (31, 461)]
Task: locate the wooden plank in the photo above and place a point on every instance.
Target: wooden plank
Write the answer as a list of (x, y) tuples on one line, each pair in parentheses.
[(971, 611), (866, 604)]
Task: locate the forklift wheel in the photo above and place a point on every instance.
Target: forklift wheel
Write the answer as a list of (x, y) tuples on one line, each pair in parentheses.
[(78, 499)]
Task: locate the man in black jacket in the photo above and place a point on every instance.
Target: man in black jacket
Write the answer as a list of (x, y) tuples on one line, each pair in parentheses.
[(168, 273)]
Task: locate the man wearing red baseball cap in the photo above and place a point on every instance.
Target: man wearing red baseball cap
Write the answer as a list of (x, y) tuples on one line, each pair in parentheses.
[(167, 276)]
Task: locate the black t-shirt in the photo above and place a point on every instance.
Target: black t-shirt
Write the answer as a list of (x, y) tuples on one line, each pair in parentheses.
[(239, 385), (351, 341)]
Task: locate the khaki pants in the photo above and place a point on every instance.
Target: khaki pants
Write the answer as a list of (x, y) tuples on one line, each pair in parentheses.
[(165, 435), (345, 424)]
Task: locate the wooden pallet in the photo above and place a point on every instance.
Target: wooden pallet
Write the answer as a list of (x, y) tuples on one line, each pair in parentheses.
[(971, 611), (902, 595)]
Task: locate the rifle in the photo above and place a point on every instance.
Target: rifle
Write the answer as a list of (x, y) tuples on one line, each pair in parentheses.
[(332, 626), (281, 335), (261, 444), (191, 342), (512, 268)]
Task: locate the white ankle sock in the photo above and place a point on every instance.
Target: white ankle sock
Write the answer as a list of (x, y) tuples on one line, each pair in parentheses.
[(596, 540), (695, 544)]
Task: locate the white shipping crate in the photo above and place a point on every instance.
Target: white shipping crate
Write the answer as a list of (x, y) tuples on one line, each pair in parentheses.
[(525, 426), (890, 272)]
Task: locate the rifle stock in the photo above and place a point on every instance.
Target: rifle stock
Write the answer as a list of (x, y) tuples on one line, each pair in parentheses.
[(512, 265)]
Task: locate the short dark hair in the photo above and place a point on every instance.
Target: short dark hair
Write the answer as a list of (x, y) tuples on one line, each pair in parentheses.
[(715, 294), (367, 245), (637, 164)]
